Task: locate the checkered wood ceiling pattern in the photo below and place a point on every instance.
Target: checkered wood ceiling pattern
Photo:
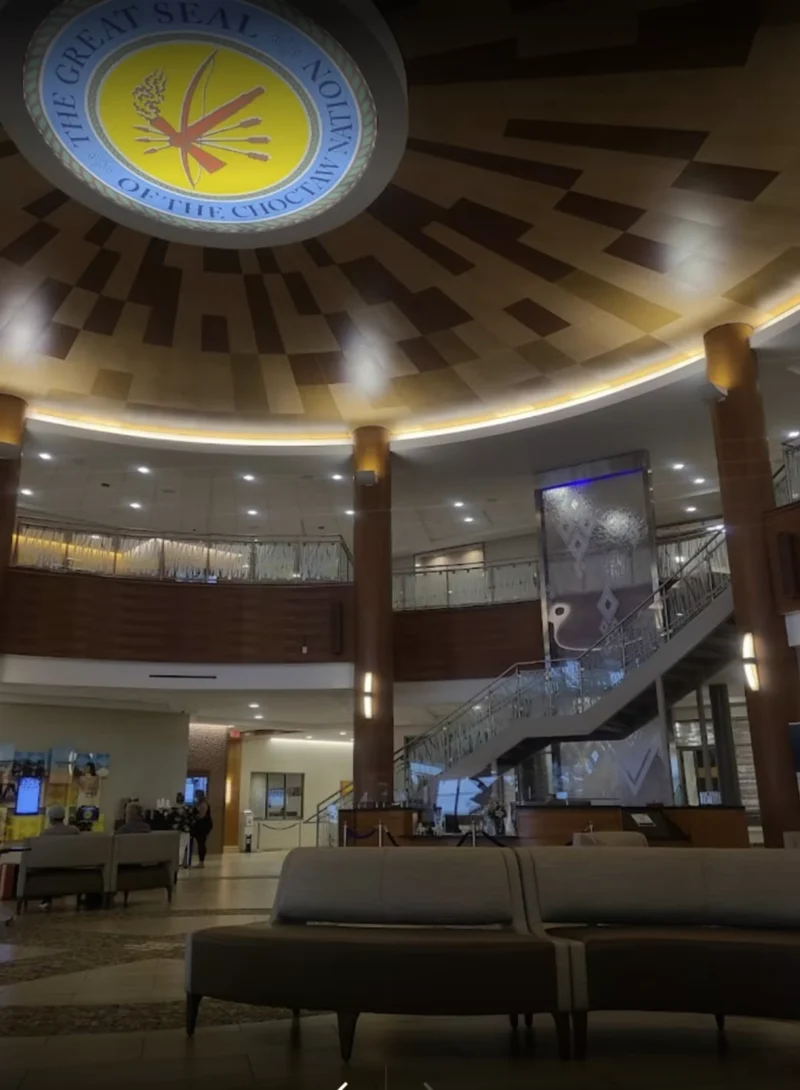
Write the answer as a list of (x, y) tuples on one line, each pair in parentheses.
[(585, 191)]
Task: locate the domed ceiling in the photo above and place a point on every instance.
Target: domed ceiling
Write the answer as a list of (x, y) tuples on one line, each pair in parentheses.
[(586, 189)]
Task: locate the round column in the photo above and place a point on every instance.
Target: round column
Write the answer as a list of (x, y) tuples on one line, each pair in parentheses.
[(745, 480), (373, 719), (12, 429)]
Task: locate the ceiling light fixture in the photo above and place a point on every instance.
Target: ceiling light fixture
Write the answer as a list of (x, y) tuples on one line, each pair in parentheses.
[(45, 456), (248, 477), (135, 506), (337, 477), (342, 733), (699, 480), (254, 705), (349, 512), (678, 466), (469, 518), (252, 513), (143, 469), (794, 435), (309, 737), (458, 503), (295, 741), (258, 716), (26, 491), (691, 510)]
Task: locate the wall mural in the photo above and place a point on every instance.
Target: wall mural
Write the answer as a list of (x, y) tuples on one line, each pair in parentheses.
[(32, 781)]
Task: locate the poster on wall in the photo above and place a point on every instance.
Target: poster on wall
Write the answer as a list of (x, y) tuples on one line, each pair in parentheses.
[(90, 770), (29, 763), (8, 785), (62, 765)]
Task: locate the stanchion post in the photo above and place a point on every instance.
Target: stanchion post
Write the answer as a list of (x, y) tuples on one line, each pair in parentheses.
[(380, 835), (474, 835), (299, 834), (344, 831)]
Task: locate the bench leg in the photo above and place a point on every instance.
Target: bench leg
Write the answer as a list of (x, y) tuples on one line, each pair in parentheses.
[(295, 1014), (720, 1022), (192, 1007), (529, 1020), (347, 1031), (514, 1020), (580, 1028), (563, 1033)]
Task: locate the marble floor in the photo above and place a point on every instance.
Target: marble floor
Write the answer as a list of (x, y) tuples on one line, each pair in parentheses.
[(95, 999)]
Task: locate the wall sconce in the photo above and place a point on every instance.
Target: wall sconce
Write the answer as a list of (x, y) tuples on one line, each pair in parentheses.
[(749, 662), (368, 694)]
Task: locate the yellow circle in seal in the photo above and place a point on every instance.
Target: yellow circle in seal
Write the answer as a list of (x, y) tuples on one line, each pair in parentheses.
[(203, 119)]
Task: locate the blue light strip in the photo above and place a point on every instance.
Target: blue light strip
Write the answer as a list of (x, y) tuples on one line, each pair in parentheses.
[(590, 480)]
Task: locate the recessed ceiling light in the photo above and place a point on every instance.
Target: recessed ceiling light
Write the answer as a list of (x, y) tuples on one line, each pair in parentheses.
[(254, 705), (458, 503), (337, 477), (469, 518), (794, 434), (143, 469), (248, 477), (135, 506), (45, 456), (349, 512), (309, 737), (26, 491), (258, 716), (691, 510), (679, 465), (252, 513), (342, 733), (699, 480)]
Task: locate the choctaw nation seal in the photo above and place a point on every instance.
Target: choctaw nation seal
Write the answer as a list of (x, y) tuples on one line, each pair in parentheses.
[(249, 122)]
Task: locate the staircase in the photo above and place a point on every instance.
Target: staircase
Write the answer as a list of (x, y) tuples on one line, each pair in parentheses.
[(684, 634)]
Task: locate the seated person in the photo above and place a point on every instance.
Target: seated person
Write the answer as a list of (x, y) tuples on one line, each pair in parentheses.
[(134, 820), (57, 826)]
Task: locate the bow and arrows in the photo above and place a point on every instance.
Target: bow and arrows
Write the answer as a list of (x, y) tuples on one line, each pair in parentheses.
[(194, 139)]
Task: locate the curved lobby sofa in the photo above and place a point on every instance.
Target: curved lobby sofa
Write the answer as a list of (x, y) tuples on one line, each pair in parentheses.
[(698, 930)]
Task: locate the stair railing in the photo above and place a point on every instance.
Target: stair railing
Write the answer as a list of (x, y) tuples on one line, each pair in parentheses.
[(562, 687)]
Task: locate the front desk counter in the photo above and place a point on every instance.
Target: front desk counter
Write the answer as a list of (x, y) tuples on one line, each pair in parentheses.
[(543, 825), (676, 826)]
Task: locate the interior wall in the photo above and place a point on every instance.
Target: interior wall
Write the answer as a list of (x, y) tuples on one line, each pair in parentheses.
[(208, 754), (147, 749), (324, 766)]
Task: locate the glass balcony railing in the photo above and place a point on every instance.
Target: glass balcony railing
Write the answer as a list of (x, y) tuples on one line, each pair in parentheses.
[(181, 560), (467, 585), (787, 479)]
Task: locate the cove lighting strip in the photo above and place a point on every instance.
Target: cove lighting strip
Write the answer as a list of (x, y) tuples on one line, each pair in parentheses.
[(315, 741)]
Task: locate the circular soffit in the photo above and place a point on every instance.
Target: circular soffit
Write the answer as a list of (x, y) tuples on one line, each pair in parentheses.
[(239, 123)]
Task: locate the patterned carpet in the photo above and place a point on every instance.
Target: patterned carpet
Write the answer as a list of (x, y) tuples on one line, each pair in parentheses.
[(44, 948)]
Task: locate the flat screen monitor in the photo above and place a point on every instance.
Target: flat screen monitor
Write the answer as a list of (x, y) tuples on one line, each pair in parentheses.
[(194, 784), (463, 797), (29, 790)]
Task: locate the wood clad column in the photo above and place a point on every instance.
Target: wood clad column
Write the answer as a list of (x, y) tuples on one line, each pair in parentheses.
[(745, 477), (12, 427), (373, 720)]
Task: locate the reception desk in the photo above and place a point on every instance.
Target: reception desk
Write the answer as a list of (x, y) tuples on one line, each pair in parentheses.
[(689, 826)]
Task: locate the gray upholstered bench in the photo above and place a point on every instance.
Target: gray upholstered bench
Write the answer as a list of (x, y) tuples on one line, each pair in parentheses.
[(417, 931), (701, 930)]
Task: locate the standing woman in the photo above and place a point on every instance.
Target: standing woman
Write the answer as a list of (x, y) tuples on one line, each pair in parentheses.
[(202, 825)]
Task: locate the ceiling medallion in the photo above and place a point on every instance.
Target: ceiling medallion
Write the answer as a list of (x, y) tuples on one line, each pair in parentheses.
[(243, 123)]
